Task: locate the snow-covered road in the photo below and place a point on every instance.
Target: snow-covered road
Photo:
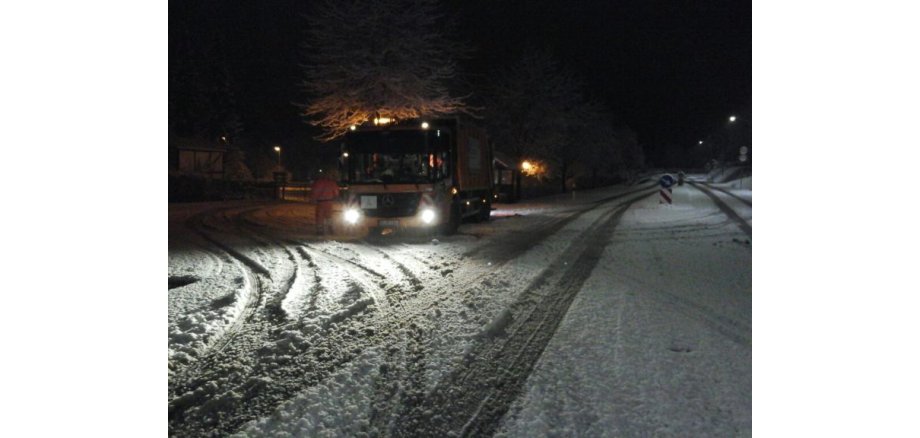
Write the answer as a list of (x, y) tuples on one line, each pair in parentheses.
[(603, 313)]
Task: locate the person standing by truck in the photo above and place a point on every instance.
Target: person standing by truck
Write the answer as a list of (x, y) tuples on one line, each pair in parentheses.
[(324, 191)]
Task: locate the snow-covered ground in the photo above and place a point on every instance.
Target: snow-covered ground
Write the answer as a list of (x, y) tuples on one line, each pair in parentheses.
[(658, 340), (599, 313)]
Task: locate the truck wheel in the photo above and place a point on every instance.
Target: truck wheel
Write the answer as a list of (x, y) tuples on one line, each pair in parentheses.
[(453, 222), (485, 211)]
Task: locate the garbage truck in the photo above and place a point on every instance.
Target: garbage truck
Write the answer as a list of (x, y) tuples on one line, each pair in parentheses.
[(422, 175)]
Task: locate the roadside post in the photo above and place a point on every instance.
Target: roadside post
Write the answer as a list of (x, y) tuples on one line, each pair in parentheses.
[(280, 182), (742, 157), (665, 192)]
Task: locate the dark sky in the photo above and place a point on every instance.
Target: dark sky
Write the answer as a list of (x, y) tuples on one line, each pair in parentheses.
[(671, 70)]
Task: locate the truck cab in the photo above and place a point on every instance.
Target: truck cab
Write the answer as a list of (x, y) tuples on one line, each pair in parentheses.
[(416, 174)]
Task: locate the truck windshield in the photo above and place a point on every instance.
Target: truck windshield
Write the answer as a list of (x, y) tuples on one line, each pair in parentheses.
[(389, 168), (393, 157)]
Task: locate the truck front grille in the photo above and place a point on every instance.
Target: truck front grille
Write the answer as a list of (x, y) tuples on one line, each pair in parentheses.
[(394, 205)]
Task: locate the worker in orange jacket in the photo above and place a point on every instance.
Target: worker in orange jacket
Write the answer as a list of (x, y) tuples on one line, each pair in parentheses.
[(325, 191)]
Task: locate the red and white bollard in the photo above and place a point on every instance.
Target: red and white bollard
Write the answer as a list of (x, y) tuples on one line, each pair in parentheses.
[(665, 196)]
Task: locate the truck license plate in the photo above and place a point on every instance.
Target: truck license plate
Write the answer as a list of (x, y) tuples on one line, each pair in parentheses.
[(368, 202), (389, 223)]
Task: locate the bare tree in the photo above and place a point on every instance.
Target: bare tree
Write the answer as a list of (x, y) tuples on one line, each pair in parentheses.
[(528, 105), (593, 142), (632, 155), (538, 109), (387, 58)]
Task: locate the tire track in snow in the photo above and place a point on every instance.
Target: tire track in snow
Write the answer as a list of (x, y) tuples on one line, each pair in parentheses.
[(287, 359), (654, 232), (252, 283), (473, 398), (425, 262), (367, 279), (273, 301), (402, 377), (725, 209), (197, 224), (733, 329), (738, 329), (303, 354), (342, 259), (302, 252), (204, 407), (745, 201), (400, 331), (503, 250), (310, 254), (407, 273), (391, 404), (404, 333), (317, 289)]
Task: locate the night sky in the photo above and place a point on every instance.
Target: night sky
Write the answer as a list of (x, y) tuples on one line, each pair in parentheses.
[(671, 70)]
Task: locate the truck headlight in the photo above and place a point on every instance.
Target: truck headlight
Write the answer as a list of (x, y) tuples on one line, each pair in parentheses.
[(427, 215), (352, 215)]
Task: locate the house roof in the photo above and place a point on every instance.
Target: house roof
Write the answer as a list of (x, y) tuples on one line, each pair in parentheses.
[(502, 159), (196, 144)]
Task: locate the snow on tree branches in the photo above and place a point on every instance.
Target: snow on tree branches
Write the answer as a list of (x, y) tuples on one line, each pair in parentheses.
[(537, 108), (388, 58), (531, 106)]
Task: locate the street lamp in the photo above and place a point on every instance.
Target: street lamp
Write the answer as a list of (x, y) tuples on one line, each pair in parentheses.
[(731, 119), (278, 150)]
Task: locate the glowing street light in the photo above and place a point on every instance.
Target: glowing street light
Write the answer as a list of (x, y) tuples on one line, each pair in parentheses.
[(278, 150), (701, 141), (526, 166), (731, 119)]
